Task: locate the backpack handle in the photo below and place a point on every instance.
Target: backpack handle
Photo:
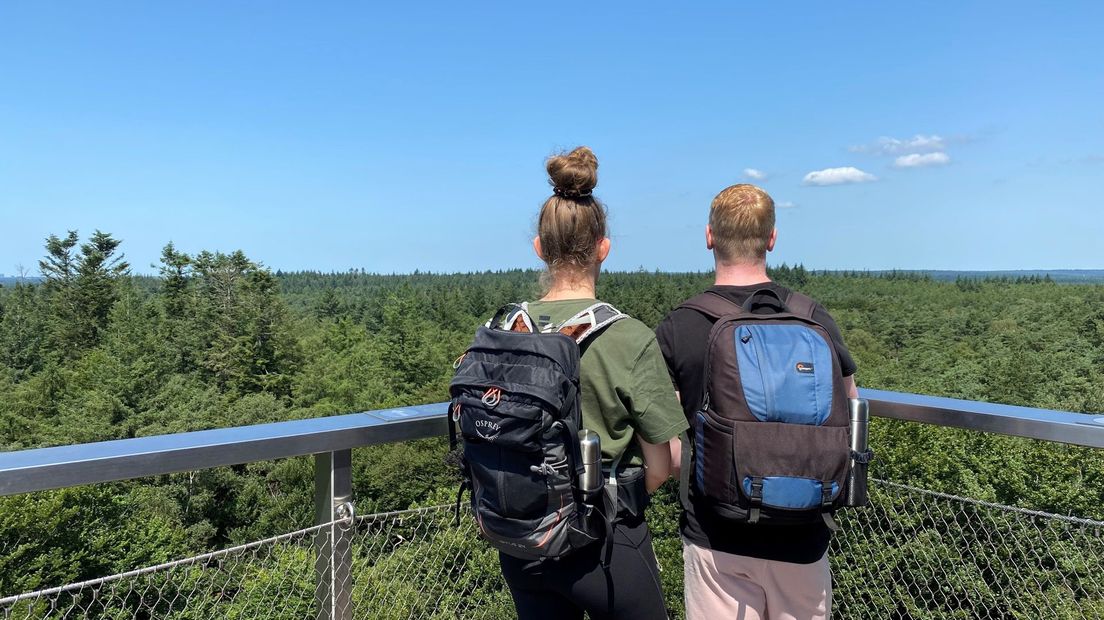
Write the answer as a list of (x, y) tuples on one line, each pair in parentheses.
[(749, 303), (514, 311), (500, 315)]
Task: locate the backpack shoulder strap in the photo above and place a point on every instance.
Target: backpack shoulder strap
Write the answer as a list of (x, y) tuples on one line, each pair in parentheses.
[(801, 305), (712, 305), (589, 322)]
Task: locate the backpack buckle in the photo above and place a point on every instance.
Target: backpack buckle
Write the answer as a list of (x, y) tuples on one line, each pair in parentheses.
[(756, 498), (757, 490)]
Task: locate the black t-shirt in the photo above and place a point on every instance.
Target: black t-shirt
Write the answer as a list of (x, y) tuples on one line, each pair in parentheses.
[(682, 338)]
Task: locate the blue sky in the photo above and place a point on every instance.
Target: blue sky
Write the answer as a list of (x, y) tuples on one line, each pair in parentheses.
[(396, 138)]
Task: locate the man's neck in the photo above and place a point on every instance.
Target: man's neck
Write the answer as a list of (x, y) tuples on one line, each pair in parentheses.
[(741, 274)]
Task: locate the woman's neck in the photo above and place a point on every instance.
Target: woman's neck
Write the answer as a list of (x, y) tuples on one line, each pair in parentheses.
[(570, 288)]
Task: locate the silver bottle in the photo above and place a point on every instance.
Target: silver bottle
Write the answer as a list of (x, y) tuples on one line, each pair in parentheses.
[(859, 410), (591, 447)]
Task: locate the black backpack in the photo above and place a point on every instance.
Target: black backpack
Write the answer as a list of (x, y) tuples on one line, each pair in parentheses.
[(516, 409), (771, 440)]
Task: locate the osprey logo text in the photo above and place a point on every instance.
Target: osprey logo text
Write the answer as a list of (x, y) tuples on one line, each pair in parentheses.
[(492, 397), (487, 429), (804, 367)]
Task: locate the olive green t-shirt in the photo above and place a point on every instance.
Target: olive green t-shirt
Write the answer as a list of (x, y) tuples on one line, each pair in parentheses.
[(626, 388)]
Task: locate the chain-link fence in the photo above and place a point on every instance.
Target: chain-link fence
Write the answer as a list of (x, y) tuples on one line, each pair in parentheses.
[(270, 578), (408, 564), (913, 554), (917, 554)]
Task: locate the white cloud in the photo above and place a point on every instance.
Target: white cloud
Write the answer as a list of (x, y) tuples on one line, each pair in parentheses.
[(894, 146), (787, 205), (755, 175), (917, 160), (838, 176)]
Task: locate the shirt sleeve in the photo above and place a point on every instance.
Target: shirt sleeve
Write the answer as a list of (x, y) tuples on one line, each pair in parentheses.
[(657, 414), (847, 363), (663, 338)]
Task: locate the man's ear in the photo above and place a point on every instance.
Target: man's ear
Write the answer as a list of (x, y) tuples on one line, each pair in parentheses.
[(773, 238), (603, 249), (537, 247), (708, 237)]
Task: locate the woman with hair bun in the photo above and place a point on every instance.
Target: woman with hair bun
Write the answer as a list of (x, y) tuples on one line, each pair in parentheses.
[(627, 399)]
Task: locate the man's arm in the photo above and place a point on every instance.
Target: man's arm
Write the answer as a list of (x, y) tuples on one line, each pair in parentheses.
[(851, 387), (676, 450), (676, 458)]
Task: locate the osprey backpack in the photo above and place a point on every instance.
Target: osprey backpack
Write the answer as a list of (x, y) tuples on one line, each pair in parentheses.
[(516, 411), (771, 439)]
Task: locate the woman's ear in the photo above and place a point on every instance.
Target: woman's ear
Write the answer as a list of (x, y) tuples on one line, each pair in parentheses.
[(537, 247), (603, 249)]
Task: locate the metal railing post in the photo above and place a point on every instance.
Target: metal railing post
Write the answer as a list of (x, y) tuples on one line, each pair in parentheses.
[(333, 491)]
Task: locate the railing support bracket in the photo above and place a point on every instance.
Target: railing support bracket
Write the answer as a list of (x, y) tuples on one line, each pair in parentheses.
[(333, 511)]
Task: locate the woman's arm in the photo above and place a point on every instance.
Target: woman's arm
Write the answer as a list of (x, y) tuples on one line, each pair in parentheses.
[(676, 458), (658, 462)]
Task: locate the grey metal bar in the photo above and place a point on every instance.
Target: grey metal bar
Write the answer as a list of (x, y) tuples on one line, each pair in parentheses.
[(50, 468), (1061, 426), (333, 508), (65, 466)]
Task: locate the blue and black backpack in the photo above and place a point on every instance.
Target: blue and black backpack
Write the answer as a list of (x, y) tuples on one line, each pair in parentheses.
[(771, 440)]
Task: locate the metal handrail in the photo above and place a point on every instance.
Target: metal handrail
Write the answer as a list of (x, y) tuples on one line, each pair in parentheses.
[(64, 466), (40, 469), (1077, 429)]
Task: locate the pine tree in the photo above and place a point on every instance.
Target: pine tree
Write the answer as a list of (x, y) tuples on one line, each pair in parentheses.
[(21, 332), (81, 288)]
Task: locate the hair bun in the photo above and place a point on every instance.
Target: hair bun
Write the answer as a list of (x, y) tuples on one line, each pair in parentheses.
[(573, 175)]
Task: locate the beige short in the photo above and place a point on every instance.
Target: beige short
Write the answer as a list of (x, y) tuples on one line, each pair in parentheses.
[(722, 585)]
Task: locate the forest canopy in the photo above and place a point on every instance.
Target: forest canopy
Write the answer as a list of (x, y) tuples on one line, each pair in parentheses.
[(92, 352)]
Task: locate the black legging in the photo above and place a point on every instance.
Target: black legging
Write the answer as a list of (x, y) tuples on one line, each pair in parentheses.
[(563, 589)]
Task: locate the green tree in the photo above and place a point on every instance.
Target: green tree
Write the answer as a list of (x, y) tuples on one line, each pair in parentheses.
[(81, 288), (247, 340), (22, 332)]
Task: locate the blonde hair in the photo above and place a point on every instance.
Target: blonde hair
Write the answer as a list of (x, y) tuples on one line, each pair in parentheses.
[(571, 221), (742, 220)]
